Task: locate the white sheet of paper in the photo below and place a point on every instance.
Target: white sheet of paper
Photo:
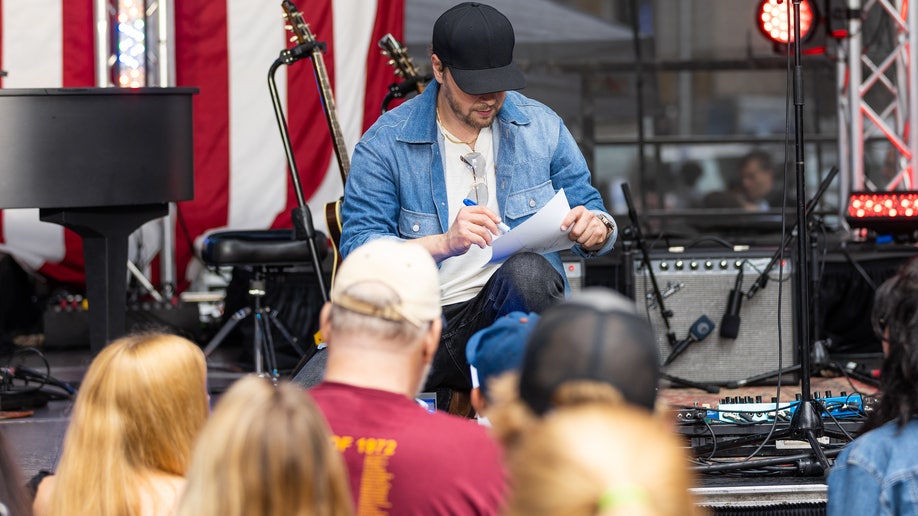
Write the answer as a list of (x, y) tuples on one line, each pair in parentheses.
[(540, 234)]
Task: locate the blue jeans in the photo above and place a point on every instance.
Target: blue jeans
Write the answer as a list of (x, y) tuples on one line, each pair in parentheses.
[(526, 282)]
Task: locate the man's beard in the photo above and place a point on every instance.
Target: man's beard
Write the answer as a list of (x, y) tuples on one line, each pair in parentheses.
[(468, 118)]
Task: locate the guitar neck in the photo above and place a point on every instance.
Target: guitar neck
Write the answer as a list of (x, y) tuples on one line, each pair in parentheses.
[(331, 116)]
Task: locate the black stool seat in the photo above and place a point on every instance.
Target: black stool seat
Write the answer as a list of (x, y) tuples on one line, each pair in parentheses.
[(259, 247)]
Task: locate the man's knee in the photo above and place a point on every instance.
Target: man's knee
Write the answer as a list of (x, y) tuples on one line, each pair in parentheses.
[(530, 267), (528, 282)]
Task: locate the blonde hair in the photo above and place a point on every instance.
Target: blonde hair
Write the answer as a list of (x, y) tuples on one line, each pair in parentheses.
[(599, 458), (266, 451), (141, 404)]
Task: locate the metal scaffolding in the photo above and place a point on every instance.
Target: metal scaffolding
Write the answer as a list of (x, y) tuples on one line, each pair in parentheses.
[(877, 99)]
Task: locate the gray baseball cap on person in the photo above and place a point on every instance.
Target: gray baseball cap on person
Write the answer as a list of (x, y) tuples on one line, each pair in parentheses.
[(595, 336), (475, 41)]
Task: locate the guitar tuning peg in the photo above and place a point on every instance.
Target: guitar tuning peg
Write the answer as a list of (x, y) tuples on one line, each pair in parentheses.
[(287, 26), (293, 39)]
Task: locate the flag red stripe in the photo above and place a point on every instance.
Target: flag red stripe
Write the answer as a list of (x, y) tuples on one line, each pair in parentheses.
[(201, 61), (390, 18), (79, 54)]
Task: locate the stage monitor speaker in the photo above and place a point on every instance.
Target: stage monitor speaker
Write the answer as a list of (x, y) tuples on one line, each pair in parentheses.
[(698, 283)]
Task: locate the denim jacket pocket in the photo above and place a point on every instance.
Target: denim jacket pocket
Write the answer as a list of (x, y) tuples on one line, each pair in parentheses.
[(526, 202), (413, 224)]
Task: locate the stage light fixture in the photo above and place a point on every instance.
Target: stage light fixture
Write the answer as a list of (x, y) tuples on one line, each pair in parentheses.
[(131, 66), (884, 212), (774, 18)]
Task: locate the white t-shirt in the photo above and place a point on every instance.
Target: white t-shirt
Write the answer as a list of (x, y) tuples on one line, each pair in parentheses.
[(461, 277)]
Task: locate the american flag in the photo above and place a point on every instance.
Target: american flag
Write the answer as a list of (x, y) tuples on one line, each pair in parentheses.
[(225, 48)]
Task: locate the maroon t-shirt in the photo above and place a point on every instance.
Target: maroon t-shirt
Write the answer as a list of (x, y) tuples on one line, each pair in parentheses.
[(404, 460)]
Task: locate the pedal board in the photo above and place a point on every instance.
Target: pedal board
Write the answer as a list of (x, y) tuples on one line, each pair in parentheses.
[(738, 426)]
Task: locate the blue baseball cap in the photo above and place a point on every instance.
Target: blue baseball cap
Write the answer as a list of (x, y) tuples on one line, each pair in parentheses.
[(500, 347)]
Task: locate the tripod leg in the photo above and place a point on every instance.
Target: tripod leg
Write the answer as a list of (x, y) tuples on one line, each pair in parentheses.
[(270, 356), (285, 332), (257, 346), (226, 329), (817, 449)]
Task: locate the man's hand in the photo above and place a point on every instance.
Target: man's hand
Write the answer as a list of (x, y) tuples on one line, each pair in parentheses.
[(586, 229), (474, 225)]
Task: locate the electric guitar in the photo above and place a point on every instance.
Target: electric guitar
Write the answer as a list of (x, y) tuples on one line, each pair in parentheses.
[(302, 35), (404, 68)]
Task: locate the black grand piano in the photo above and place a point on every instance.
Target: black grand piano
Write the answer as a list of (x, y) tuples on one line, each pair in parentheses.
[(102, 162)]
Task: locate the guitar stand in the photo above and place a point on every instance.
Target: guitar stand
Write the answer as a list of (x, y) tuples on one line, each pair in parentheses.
[(301, 216)]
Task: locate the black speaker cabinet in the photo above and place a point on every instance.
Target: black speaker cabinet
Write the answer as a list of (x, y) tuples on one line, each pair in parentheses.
[(698, 283)]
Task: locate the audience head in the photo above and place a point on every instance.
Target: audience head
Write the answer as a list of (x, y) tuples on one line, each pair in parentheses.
[(266, 450), (14, 500), (895, 321), (594, 338), (140, 406), (497, 349), (598, 458), (385, 305)]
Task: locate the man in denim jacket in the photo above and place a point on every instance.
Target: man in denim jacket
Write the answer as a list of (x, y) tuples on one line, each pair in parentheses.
[(453, 166)]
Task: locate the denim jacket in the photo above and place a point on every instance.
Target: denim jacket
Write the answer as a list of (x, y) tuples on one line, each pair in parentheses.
[(396, 187), (877, 473)]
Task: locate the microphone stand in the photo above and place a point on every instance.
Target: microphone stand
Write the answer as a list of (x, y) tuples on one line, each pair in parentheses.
[(645, 256), (806, 423), (658, 294)]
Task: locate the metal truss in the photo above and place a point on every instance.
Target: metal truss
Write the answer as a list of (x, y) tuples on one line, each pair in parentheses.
[(877, 99)]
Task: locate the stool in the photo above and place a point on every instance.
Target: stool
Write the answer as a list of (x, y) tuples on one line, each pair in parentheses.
[(260, 251)]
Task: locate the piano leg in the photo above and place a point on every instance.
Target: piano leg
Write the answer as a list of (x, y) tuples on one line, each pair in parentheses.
[(105, 232)]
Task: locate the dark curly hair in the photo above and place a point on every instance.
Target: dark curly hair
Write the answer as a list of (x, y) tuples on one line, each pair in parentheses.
[(895, 321)]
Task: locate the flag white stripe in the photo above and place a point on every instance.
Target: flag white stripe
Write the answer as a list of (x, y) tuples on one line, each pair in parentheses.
[(33, 57), (258, 184), (33, 44), (353, 27)]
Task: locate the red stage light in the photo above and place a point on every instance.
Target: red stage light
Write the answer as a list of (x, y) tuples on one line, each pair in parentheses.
[(883, 211), (775, 19)]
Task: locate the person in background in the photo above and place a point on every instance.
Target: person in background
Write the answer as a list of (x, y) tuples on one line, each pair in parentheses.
[(495, 350), (265, 451), (758, 185), (140, 407), (600, 459), (877, 473), (449, 166), (382, 325)]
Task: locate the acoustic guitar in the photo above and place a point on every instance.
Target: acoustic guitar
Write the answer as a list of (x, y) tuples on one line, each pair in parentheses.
[(303, 35), (404, 68)]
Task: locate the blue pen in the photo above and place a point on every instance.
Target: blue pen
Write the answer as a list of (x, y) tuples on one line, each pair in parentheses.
[(500, 225)]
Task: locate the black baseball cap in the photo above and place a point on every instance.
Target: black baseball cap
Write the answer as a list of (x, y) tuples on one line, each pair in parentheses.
[(476, 42), (595, 335)]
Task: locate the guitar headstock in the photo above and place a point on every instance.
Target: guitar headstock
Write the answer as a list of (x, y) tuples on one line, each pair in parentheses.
[(398, 57), (297, 25)]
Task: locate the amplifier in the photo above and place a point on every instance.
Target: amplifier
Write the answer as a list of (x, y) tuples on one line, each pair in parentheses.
[(697, 284)]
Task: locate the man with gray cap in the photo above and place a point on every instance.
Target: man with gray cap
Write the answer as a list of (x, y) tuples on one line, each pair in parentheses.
[(383, 325), (454, 167)]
